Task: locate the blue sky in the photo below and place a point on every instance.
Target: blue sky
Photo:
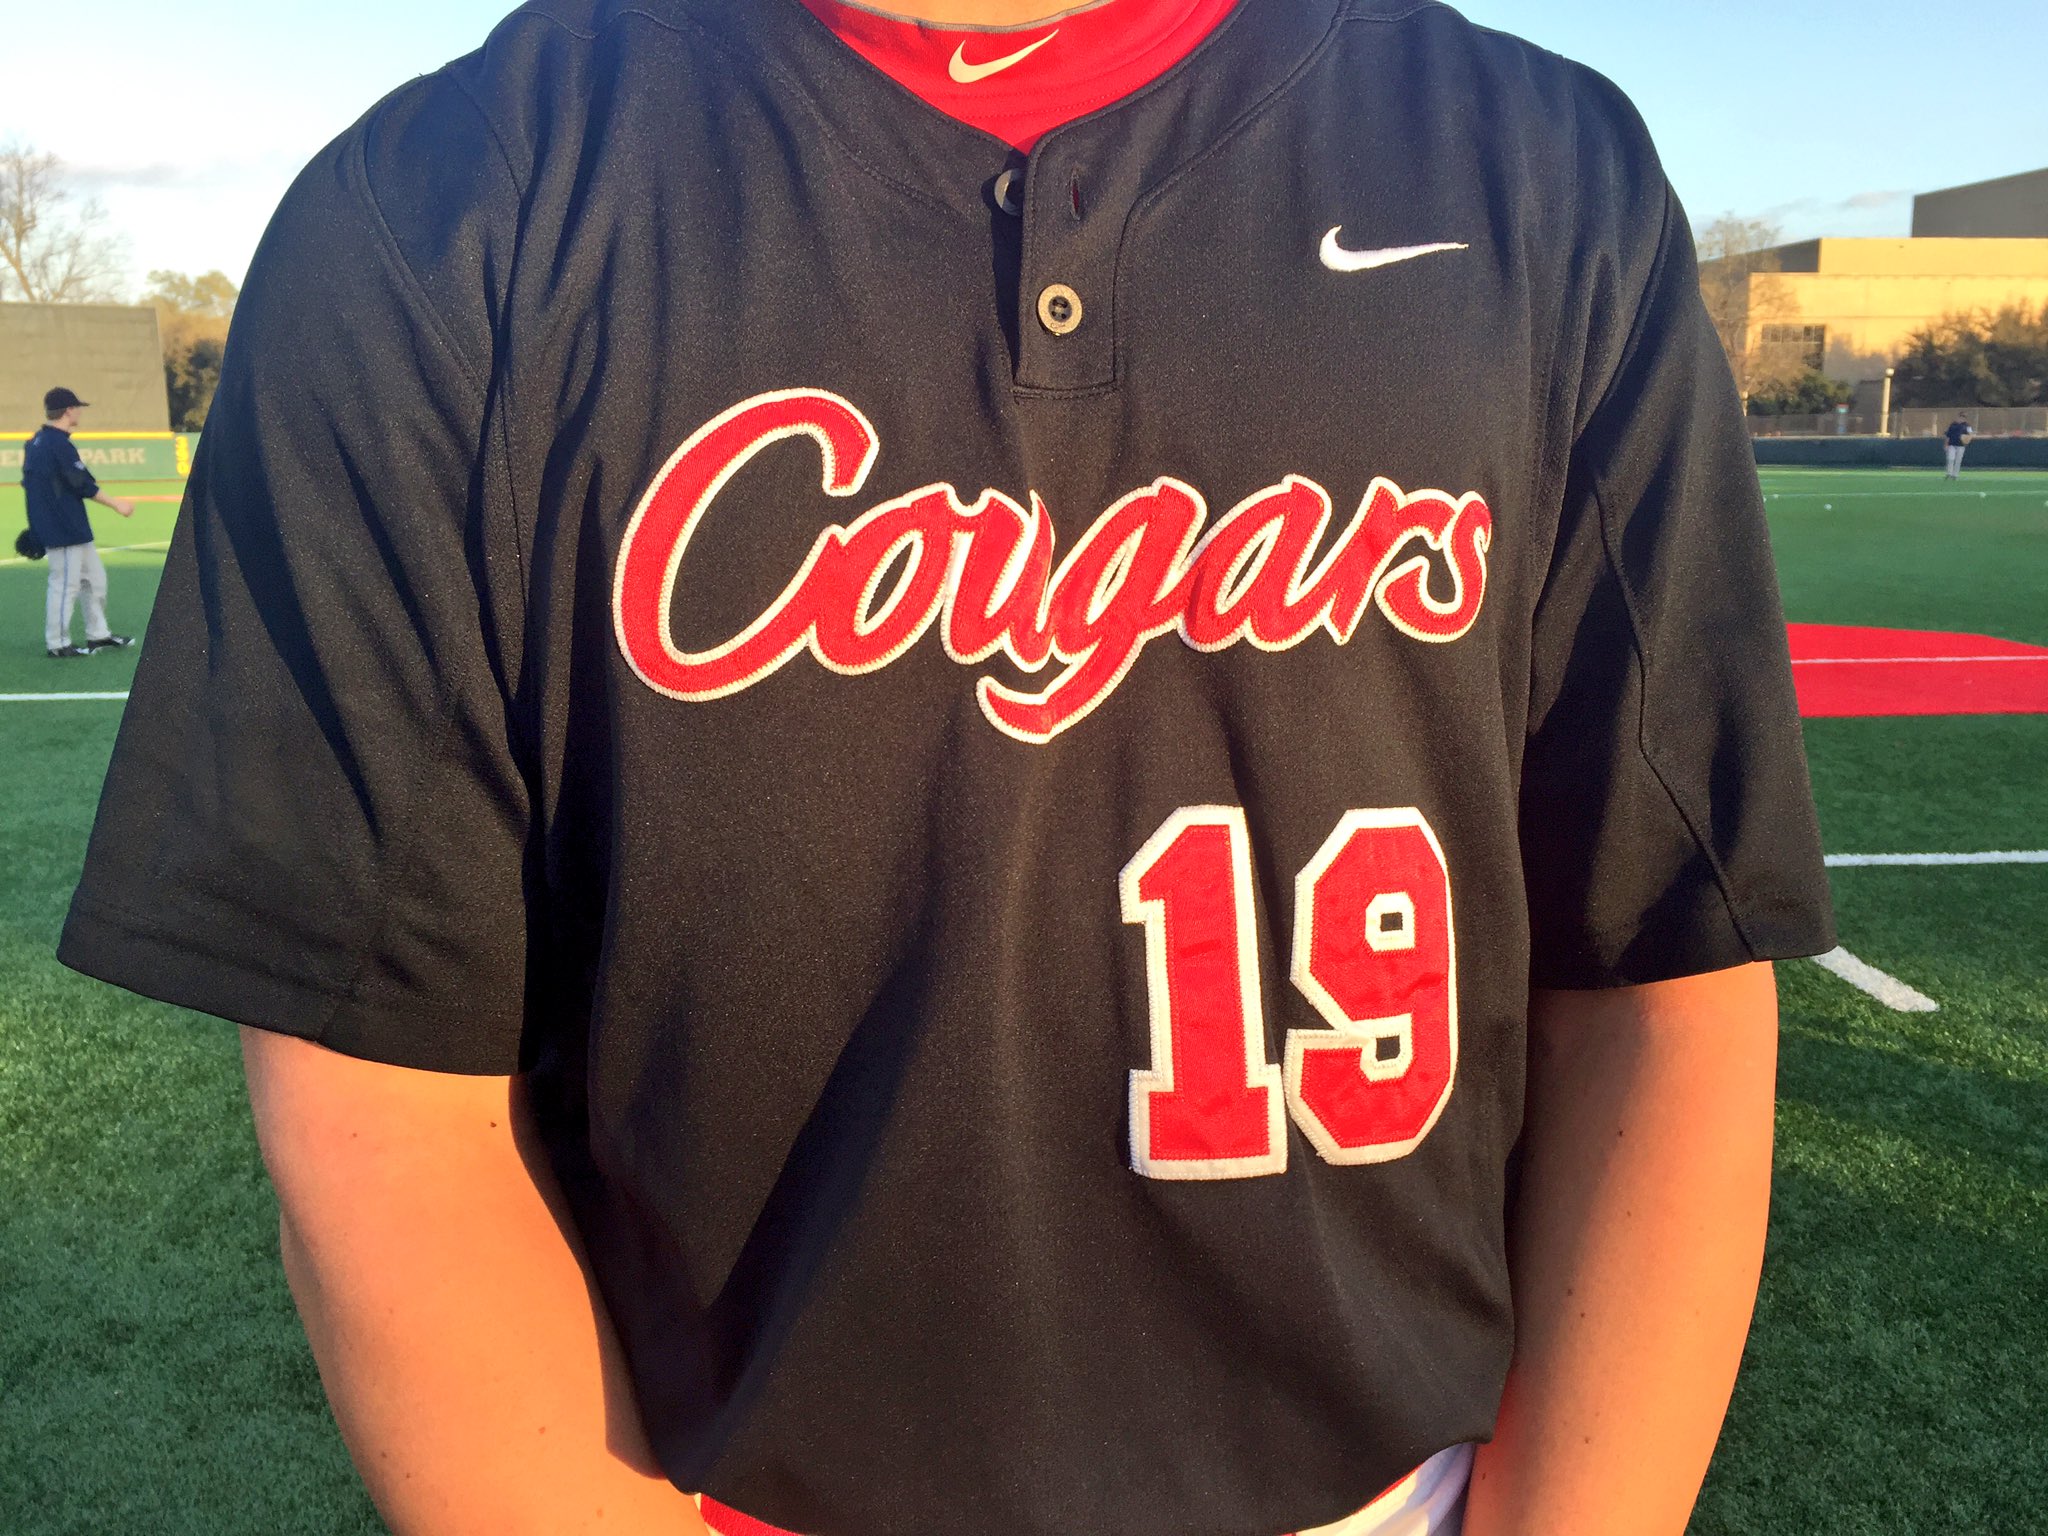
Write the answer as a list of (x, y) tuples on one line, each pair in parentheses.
[(187, 122)]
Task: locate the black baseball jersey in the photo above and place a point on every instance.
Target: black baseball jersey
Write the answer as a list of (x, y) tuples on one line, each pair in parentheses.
[(1008, 775), (54, 485)]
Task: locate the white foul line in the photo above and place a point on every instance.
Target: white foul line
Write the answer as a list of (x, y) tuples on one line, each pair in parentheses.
[(1865, 860), (1856, 495), (1889, 990), (56, 698), (1893, 661)]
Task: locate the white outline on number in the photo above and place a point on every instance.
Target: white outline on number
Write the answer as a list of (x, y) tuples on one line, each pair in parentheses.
[(1260, 1074), (1364, 1035)]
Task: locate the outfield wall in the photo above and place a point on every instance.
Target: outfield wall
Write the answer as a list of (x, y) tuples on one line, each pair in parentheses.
[(1899, 452), (114, 456), (109, 353)]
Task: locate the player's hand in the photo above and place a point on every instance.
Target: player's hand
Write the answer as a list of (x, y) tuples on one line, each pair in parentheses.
[(124, 506)]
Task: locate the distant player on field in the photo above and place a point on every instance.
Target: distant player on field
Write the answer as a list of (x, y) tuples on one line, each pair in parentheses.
[(1958, 437), (1016, 772), (56, 484)]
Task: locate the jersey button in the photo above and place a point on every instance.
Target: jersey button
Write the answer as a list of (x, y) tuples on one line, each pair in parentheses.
[(1006, 195), (1059, 309)]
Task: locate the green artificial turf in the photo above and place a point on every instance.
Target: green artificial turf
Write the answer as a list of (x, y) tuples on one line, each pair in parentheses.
[(153, 1377), (132, 550), (1930, 783), (152, 1374), (1906, 549), (1899, 1359)]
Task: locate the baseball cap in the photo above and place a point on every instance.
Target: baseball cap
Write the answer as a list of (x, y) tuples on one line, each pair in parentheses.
[(60, 399)]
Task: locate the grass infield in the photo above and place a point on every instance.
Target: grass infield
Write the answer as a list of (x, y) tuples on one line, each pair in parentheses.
[(152, 1375)]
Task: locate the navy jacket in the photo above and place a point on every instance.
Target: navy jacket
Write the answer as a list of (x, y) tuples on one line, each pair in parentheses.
[(56, 482)]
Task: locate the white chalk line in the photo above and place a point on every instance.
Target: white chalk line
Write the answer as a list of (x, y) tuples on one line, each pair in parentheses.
[(1852, 495), (1935, 860), (1893, 661), (58, 698), (1889, 990)]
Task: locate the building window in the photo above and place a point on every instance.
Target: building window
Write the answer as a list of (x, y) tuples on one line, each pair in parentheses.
[(1808, 343)]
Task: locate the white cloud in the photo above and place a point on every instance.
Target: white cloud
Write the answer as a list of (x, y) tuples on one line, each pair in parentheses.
[(1807, 210), (155, 176)]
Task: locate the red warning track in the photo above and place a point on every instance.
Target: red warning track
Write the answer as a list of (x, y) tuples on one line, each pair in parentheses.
[(1843, 669)]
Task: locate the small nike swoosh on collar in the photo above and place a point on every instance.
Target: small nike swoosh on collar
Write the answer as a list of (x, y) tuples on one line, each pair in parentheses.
[(1338, 259), (967, 73)]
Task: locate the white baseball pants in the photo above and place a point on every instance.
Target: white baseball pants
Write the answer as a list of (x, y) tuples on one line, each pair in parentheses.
[(1955, 459), (77, 579)]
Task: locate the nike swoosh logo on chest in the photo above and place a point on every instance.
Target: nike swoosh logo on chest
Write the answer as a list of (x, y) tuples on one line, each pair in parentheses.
[(1338, 259)]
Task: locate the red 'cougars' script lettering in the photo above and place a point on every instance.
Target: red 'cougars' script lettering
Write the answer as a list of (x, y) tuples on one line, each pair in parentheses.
[(983, 571)]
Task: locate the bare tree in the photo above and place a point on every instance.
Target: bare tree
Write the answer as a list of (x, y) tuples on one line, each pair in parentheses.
[(1743, 299), (54, 248)]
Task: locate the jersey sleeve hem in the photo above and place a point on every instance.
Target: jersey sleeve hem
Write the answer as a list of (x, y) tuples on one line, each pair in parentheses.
[(1787, 927), (133, 954), (1708, 934)]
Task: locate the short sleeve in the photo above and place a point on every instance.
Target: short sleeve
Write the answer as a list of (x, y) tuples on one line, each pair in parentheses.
[(316, 819), (1667, 820)]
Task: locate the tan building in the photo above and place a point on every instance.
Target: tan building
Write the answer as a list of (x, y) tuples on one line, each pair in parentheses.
[(1848, 306)]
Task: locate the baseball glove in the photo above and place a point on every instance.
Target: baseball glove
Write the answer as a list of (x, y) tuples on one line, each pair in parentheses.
[(28, 546)]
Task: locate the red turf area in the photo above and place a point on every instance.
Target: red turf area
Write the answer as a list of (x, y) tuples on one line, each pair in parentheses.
[(1843, 669)]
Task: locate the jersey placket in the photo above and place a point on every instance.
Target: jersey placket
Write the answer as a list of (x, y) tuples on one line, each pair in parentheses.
[(1066, 299), (1085, 181)]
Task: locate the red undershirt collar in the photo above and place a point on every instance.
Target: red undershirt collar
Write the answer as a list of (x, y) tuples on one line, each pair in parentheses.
[(1020, 83)]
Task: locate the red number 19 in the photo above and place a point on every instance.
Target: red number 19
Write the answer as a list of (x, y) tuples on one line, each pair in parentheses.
[(1374, 952)]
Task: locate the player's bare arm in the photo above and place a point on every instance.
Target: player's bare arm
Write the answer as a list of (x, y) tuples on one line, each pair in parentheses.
[(474, 1374), (120, 504), (1637, 1242)]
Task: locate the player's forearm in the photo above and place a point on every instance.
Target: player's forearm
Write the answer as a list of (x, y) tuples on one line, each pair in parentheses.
[(475, 1377), (503, 1447), (1637, 1243)]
